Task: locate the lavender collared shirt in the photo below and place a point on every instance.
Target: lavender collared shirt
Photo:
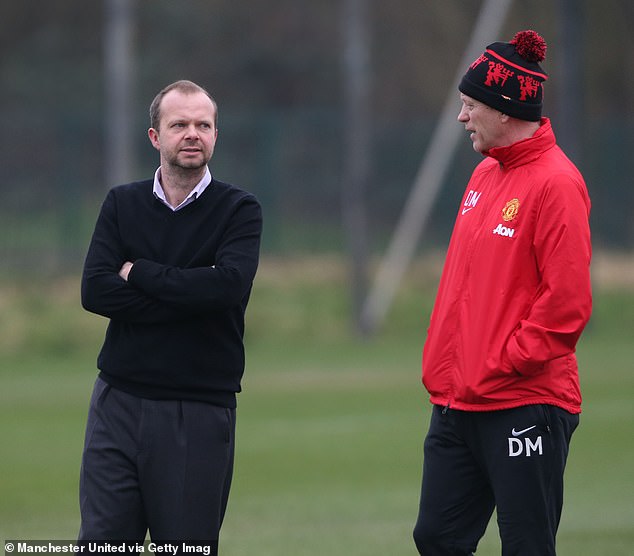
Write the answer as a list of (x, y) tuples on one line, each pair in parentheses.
[(197, 191)]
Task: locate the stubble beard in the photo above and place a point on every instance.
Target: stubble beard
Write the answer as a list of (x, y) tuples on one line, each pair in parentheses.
[(184, 166)]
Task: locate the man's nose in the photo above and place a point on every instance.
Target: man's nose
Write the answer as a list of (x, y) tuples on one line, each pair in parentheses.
[(191, 132)]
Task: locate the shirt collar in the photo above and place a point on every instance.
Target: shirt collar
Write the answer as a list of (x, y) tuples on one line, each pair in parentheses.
[(159, 193)]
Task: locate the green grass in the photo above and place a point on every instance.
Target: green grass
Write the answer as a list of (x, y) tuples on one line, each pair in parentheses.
[(330, 427)]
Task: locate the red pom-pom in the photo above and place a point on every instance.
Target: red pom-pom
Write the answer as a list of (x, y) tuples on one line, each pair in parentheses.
[(530, 46)]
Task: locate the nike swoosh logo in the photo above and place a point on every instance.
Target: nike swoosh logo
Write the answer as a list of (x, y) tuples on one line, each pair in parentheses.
[(466, 210), (520, 433)]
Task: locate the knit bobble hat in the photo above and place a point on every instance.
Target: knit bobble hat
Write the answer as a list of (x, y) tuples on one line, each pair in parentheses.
[(507, 76)]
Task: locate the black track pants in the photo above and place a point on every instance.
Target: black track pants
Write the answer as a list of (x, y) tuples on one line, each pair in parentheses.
[(162, 465), (474, 462)]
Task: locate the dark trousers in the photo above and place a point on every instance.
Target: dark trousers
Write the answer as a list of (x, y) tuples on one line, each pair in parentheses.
[(158, 465), (512, 461)]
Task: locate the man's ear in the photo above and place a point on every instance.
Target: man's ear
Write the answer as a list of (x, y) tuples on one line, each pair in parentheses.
[(154, 138)]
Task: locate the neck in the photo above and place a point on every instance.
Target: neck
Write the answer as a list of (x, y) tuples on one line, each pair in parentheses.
[(520, 129), (177, 183)]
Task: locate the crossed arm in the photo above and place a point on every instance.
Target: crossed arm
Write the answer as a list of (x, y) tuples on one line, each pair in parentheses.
[(149, 291)]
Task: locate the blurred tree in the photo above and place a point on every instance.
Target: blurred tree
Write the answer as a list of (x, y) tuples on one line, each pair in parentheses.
[(357, 143), (119, 65), (570, 78)]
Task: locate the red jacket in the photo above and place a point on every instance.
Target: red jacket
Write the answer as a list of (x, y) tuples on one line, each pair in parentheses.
[(515, 291)]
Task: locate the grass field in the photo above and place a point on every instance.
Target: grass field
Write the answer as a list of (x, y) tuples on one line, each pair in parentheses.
[(330, 427)]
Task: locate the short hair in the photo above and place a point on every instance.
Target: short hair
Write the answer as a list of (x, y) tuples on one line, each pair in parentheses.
[(184, 86)]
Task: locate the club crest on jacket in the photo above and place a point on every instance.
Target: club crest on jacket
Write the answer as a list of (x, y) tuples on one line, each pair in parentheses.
[(510, 210)]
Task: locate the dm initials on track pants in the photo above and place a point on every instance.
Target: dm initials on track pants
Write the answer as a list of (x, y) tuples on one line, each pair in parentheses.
[(474, 462), (158, 465)]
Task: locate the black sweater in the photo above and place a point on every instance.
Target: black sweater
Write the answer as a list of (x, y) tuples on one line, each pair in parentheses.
[(176, 326)]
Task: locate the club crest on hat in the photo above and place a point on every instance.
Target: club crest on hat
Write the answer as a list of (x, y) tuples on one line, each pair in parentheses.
[(497, 74), (529, 87)]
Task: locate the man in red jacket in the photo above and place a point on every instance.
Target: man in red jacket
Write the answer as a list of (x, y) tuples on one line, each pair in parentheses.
[(499, 360)]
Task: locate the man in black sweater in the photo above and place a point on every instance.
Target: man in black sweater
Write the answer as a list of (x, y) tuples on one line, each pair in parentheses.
[(171, 264)]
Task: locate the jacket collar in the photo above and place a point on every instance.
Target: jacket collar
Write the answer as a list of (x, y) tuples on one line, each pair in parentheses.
[(526, 150)]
